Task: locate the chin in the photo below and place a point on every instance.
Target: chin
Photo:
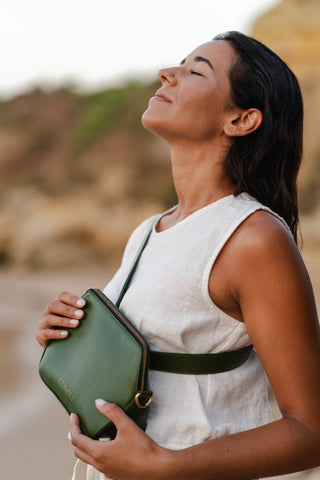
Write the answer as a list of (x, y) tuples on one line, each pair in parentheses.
[(144, 119), (160, 125), (151, 123)]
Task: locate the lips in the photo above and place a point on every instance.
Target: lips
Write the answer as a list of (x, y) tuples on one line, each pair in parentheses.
[(161, 97)]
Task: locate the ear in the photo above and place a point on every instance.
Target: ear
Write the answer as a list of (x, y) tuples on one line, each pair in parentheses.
[(243, 123)]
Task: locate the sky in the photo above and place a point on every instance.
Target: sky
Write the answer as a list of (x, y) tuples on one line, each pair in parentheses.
[(93, 44)]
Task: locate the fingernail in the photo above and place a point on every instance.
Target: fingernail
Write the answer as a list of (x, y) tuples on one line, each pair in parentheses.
[(78, 313), (64, 333), (100, 402), (81, 302), (74, 322)]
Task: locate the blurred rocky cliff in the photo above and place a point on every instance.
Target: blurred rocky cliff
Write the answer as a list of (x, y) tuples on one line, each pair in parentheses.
[(78, 172)]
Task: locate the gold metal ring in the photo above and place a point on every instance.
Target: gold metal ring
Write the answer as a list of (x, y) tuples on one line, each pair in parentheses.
[(137, 401)]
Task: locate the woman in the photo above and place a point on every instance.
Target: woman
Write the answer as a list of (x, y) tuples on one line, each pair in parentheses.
[(221, 270)]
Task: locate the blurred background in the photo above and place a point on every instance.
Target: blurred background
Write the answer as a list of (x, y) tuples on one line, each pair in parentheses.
[(78, 172)]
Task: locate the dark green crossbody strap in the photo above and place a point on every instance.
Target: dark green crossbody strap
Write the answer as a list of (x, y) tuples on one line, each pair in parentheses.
[(195, 364), (134, 266), (198, 363)]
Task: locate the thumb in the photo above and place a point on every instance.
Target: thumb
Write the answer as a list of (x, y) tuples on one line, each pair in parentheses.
[(114, 413)]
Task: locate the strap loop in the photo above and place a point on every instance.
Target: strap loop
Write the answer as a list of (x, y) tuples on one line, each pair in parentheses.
[(143, 399)]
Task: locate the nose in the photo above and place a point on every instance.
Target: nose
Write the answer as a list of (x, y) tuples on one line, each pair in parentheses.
[(168, 75)]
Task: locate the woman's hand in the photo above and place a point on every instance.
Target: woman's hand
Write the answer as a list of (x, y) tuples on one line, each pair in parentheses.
[(63, 312), (131, 455)]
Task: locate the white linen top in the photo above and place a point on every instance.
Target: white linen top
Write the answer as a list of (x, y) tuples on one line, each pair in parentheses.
[(168, 301)]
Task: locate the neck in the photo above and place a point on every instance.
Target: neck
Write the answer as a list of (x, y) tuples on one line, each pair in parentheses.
[(199, 177)]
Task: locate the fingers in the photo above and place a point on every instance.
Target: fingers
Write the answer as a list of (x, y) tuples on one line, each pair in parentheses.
[(74, 300), (85, 448), (56, 307), (63, 312), (65, 304), (43, 336), (115, 414), (130, 443), (49, 330)]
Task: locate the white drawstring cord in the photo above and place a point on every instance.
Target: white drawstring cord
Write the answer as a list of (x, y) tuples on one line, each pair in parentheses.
[(76, 464), (75, 469)]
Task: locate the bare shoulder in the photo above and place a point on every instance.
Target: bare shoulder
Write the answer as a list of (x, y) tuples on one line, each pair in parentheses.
[(261, 238), (259, 255), (262, 229)]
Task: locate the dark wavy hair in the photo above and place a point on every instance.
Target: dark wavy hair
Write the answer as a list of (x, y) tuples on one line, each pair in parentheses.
[(265, 163)]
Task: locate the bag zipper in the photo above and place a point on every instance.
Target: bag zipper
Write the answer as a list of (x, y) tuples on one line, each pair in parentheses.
[(133, 332)]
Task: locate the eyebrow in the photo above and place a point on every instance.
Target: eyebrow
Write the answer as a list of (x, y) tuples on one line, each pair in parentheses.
[(199, 59)]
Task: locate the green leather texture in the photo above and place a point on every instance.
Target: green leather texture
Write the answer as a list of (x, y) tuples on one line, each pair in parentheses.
[(99, 359)]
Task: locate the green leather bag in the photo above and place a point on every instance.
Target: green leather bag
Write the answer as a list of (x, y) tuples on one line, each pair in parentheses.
[(104, 357), (107, 357)]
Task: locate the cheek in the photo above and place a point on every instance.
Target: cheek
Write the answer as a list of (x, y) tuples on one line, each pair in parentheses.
[(202, 104), (203, 114), (197, 115)]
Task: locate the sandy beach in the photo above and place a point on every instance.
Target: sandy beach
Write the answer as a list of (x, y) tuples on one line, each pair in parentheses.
[(33, 425)]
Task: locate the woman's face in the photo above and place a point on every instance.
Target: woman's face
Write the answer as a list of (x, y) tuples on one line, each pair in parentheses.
[(193, 102)]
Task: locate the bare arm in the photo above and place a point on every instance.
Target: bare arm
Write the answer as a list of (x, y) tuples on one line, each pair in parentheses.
[(265, 276)]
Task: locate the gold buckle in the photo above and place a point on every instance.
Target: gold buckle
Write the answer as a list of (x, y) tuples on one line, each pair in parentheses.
[(137, 400)]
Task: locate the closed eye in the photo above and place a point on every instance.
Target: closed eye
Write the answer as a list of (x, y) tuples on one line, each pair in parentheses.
[(196, 73)]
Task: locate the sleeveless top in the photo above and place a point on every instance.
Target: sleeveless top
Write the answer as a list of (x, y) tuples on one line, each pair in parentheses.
[(168, 301)]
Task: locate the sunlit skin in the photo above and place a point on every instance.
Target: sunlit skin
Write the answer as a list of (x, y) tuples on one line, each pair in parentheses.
[(190, 106), (259, 278), (199, 123)]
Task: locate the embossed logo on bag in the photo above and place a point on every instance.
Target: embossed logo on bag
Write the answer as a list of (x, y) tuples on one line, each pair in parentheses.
[(64, 387)]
